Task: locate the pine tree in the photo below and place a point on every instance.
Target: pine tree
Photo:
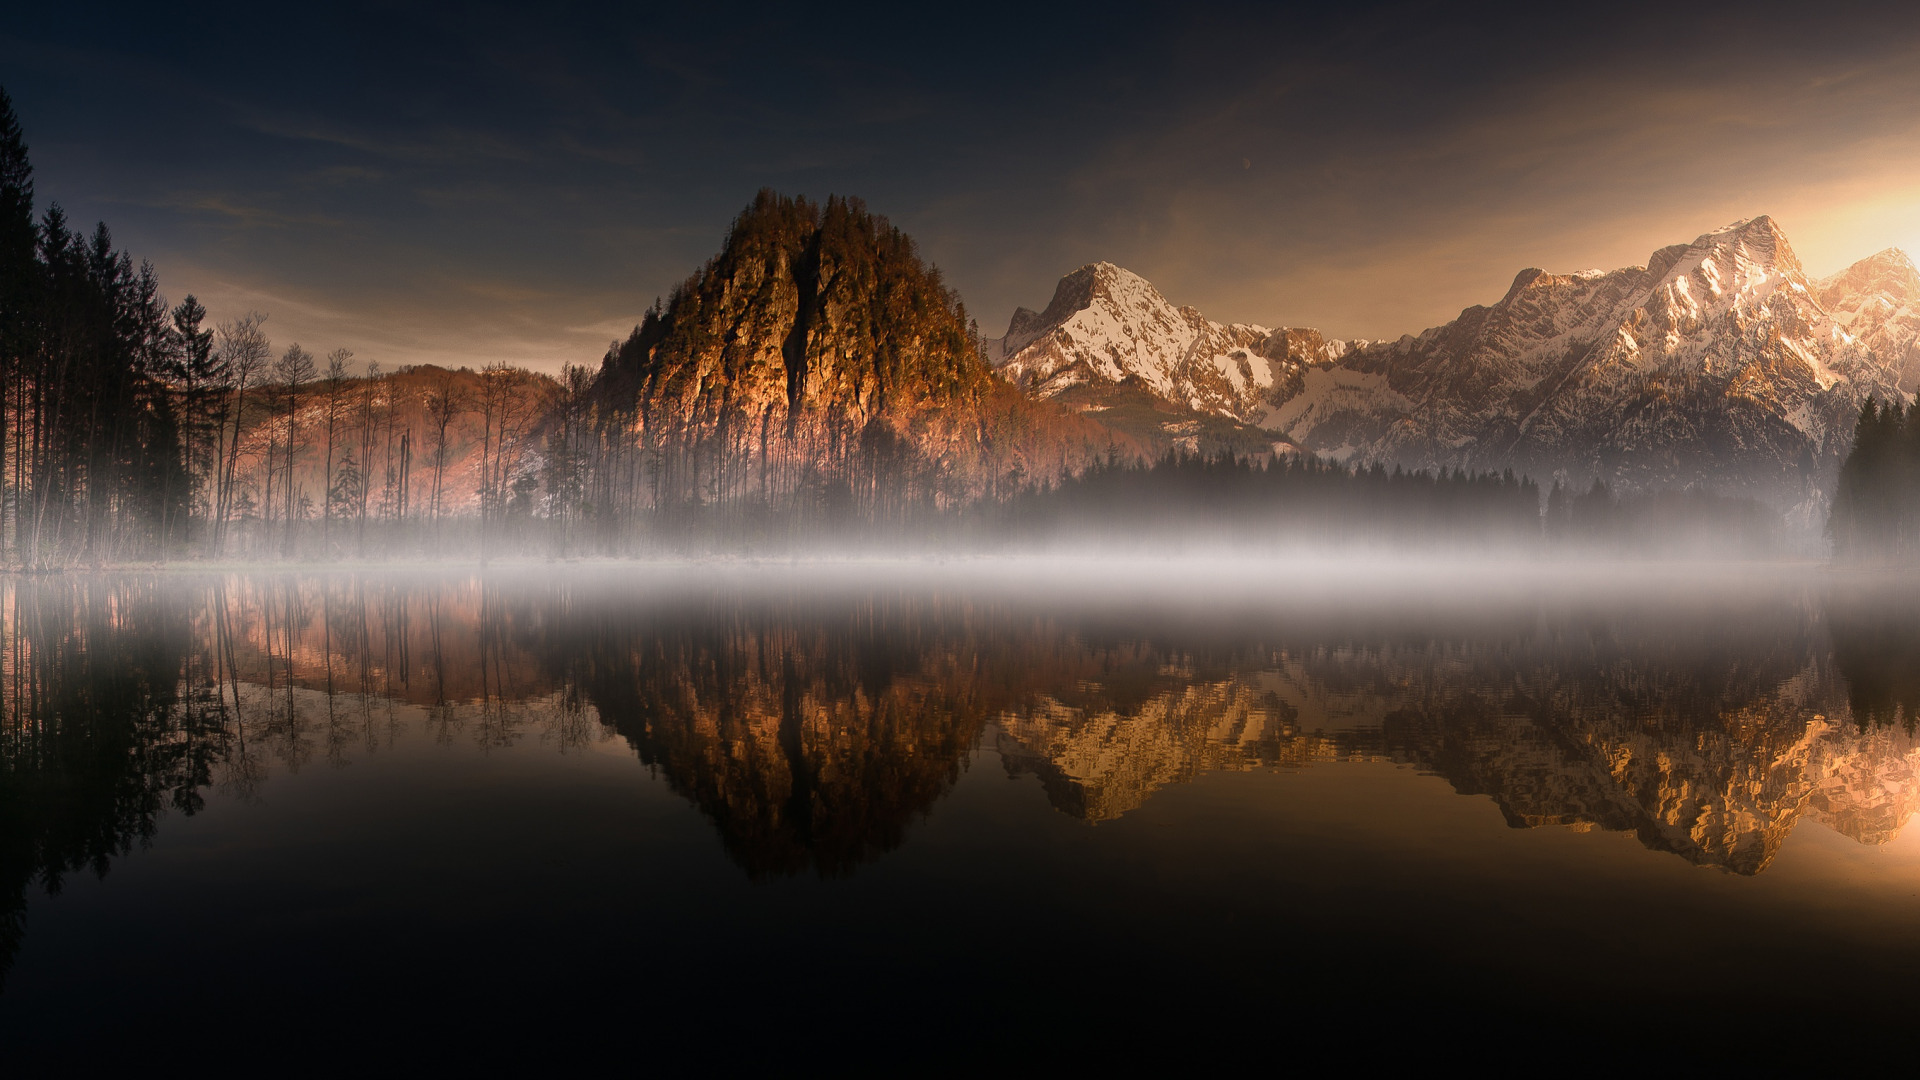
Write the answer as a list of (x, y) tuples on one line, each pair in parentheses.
[(19, 281), (336, 389), (348, 488), (202, 380), (294, 370)]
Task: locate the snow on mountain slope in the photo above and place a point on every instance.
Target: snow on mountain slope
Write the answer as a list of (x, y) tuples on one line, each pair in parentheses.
[(1715, 364), (1877, 300), (1108, 325)]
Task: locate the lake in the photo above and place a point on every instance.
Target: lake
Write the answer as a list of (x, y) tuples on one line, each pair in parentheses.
[(809, 817)]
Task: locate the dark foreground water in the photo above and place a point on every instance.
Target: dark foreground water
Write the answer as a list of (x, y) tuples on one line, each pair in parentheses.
[(914, 818)]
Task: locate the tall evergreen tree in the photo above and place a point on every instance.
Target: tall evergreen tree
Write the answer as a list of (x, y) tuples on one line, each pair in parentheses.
[(19, 279), (202, 373)]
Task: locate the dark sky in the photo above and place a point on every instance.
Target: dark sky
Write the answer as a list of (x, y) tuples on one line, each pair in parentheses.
[(464, 185)]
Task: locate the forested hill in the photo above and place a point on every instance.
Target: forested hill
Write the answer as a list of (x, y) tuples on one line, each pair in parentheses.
[(806, 310), (819, 355)]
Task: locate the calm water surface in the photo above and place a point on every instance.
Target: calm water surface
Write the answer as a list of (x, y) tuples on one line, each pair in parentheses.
[(818, 817)]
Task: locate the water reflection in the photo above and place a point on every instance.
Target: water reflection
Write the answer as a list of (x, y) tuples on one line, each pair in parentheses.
[(814, 722), (1706, 731), (811, 733)]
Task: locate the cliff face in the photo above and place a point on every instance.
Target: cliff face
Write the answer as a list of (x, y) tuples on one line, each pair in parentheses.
[(817, 350)]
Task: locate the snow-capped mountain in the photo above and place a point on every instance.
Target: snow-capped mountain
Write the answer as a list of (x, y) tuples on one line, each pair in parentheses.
[(1877, 300), (1719, 363), (1107, 325), (1715, 364)]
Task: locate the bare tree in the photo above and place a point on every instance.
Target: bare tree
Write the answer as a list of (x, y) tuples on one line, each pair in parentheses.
[(445, 400), (396, 495), (244, 350), (496, 391), (509, 404), (294, 369), (336, 387), (368, 420)]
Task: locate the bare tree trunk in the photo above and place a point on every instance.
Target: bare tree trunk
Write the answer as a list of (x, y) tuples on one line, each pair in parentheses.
[(244, 348), (295, 369)]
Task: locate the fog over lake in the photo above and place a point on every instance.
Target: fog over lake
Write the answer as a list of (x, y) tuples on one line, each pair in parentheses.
[(1041, 804)]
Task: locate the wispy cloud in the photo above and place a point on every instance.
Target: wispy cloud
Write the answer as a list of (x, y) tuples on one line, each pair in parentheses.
[(520, 187), (247, 215)]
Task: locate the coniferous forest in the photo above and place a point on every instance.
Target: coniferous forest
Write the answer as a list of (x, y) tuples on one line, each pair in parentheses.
[(814, 387), (1876, 509)]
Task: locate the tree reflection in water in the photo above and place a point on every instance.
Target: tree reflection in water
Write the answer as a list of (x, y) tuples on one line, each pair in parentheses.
[(813, 725)]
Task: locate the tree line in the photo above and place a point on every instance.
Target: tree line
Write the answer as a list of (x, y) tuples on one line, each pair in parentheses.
[(1225, 499), (1601, 521), (1876, 506), (90, 427)]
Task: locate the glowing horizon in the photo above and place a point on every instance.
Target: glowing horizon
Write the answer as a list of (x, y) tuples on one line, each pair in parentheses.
[(521, 191)]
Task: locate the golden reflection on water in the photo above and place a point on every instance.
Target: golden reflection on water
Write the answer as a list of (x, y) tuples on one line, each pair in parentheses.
[(814, 726)]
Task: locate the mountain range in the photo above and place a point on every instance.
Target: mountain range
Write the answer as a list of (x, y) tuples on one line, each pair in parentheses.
[(1717, 364), (817, 357)]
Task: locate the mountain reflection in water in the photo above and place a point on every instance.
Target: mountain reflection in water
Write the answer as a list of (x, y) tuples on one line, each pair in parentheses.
[(814, 720)]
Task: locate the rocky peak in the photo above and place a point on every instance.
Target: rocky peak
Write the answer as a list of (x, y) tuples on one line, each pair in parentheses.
[(1877, 302), (1891, 267), (1884, 279), (1760, 237), (1745, 259), (1530, 276), (1109, 326), (1123, 296)]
